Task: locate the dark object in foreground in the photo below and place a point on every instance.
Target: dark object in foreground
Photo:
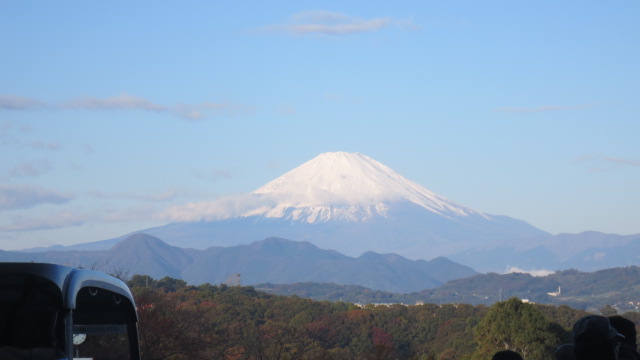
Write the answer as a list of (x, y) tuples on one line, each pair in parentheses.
[(506, 355), (46, 309)]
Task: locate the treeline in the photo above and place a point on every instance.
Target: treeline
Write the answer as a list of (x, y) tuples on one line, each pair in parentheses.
[(619, 287), (584, 290), (179, 321), (338, 292)]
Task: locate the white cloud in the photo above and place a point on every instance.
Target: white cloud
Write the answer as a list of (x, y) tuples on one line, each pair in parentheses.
[(333, 24), (13, 197), (237, 205), (222, 208), (538, 272)]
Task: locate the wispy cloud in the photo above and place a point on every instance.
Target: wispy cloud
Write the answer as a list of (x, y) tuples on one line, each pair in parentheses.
[(133, 214), (65, 219), (202, 110), (53, 146), (621, 162), (545, 108), (32, 168), (286, 109), (87, 148), (119, 102), (13, 197), (213, 175), (606, 163), (15, 102), (56, 221), (164, 196), (127, 102), (334, 24)]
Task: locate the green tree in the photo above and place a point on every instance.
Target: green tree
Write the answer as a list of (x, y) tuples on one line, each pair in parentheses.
[(171, 284), (514, 325), (142, 281)]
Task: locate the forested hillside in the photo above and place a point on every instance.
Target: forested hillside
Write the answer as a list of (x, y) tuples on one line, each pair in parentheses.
[(178, 321), (618, 287)]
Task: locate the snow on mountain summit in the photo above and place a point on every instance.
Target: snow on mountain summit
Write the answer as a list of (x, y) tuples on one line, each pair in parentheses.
[(331, 186), (347, 202), (346, 185)]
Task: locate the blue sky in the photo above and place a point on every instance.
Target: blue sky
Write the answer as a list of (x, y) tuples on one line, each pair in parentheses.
[(112, 112)]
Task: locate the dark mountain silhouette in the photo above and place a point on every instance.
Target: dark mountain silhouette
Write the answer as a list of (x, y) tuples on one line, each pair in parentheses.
[(273, 260), (145, 254)]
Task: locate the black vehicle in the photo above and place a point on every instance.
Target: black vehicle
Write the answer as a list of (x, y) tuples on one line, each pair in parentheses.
[(45, 308)]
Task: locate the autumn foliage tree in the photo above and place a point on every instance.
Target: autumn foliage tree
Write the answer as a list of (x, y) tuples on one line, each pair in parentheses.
[(178, 321)]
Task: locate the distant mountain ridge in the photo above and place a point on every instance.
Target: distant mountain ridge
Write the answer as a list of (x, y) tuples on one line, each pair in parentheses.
[(347, 202), (587, 251), (272, 260), (617, 287), (353, 204)]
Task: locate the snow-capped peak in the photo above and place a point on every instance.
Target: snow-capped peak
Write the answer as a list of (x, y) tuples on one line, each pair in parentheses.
[(331, 186), (343, 184)]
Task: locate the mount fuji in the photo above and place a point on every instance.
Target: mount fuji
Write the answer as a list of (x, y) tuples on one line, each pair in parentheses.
[(341, 201)]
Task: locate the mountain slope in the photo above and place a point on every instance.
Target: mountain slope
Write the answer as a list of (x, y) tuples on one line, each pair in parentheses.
[(347, 186), (347, 202), (271, 260), (146, 254), (277, 260), (353, 204), (406, 229)]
